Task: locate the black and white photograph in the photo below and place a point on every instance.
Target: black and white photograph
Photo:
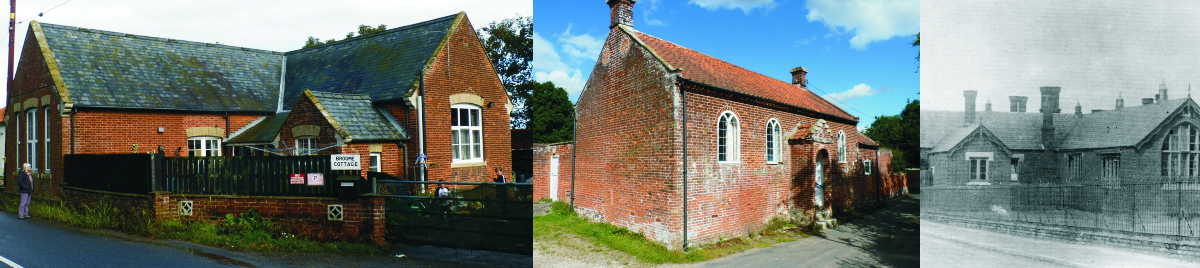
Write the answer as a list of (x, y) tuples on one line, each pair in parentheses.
[(1060, 134)]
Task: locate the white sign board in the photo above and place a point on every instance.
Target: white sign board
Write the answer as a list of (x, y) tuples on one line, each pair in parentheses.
[(345, 162), (316, 179)]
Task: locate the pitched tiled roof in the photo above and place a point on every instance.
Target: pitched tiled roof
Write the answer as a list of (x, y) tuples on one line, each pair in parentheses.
[(1018, 131), (5, 117), (864, 140), (355, 117), (957, 136), (108, 69), (260, 131), (705, 69), (384, 65), (1120, 128)]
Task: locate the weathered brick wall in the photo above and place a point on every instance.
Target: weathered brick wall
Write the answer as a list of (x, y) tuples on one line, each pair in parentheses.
[(952, 168), (462, 67), (306, 113), (735, 199), (543, 154), (628, 138), (32, 81)]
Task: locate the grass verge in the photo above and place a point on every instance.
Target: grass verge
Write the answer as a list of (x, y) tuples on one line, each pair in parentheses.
[(244, 231), (563, 220)]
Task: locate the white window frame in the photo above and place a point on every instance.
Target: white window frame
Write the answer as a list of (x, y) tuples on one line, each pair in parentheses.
[(376, 158), (206, 146), (305, 145), (46, 142), (31, 140), (466, 137), (1110, 170), (774, 152), (867, 166), (841, 147), (20, 146), (728, 138)]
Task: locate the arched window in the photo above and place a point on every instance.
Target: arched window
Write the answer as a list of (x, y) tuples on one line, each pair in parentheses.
[(773, 145), (727, 138), (1180, 156), (31, 138), (466, 133), (841, 147)]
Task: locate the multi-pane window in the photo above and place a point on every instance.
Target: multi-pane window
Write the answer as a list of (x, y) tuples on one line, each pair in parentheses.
[(841, 147), (306, 145), (867, 166), (978, 168), (1074, 168), (1015, 168), (204, 146), (1108, 170), (1180, 155), (20, 148), (375, 158), (727, 138), (466, 133), (31, 137), (773, 138), (46, 142)]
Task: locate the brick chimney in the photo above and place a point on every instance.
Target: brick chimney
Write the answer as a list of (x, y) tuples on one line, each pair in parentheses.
[(1049, 108), (799, 77), (1162, 92), (1120, 101), (1146, 101), (1018, 103), (621, 12), (969, 115)]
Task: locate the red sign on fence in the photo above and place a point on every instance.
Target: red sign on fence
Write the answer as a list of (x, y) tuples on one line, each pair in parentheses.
[(297, 178)]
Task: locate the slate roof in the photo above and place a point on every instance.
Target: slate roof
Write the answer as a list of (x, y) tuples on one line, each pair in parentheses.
[(110, 69), (1018, 131), (1121, 128), (705, 69), (383, 65), (355, 117), (262, 131), (958, 136)]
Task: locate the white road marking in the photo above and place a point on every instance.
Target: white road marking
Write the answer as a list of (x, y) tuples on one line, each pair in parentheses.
[(10, 263)]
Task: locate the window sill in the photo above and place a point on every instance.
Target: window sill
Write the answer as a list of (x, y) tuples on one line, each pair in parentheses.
[(468, 164), (979, 183), (774, 163), (728, 162)]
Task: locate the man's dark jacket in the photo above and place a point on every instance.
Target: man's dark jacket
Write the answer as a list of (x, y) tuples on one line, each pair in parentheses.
[(23, 182)]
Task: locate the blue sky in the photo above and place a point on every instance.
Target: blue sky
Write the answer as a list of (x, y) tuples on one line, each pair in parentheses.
[(857, 52)]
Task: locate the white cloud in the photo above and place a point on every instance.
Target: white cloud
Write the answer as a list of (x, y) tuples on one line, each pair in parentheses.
[(647, 12), (805, 41), (870, 20), (858, 91), (549, 66), (584, 46), (744, 5)]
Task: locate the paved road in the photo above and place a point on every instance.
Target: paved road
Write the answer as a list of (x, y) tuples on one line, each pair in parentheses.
[(35, 243), (887, 238), (950, 246)]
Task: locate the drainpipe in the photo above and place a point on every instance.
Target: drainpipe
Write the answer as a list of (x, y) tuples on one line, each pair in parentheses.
[(407, 130), (683, 100), (424, 140)]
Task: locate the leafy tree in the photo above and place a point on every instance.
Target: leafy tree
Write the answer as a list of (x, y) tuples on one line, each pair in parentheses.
[(551, 114), (509, 45), (363, 29), (917, 43), (900, 134)]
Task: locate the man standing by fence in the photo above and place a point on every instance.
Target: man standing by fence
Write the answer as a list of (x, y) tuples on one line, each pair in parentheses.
[(25, 182)]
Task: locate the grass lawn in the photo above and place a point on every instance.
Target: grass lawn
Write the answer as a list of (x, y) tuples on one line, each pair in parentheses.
[(550, 227)]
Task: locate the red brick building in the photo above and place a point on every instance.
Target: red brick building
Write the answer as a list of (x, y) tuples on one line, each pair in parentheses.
[(390, 97), (689, 149)]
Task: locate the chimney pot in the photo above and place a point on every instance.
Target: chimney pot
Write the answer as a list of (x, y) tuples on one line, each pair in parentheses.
[(1146, 101), (621, 12), (799, 77)]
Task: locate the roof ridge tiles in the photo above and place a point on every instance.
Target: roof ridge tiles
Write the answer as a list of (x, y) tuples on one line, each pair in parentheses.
[(388, 31), (155, 38)]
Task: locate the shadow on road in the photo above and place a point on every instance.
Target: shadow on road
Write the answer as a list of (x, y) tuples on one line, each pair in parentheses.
[(890, 236)]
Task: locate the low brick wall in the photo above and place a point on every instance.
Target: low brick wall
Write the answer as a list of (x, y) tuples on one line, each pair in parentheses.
[(362, 220), (1164, 244)]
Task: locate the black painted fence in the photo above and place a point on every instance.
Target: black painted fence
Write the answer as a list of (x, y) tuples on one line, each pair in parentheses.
[(219, 175)]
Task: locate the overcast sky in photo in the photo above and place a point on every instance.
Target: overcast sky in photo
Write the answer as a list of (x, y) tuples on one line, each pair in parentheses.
[(858, 53), (1095, 50), (275, 25)]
